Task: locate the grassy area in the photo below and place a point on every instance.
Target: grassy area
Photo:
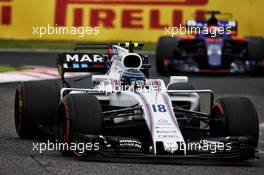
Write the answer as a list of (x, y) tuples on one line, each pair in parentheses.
[(53, 45), (9, 68)]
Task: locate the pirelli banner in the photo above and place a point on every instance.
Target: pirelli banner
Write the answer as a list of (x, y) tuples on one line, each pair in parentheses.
[(103, 20)]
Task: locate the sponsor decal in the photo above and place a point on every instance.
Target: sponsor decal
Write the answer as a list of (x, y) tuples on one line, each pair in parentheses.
[(117, 19), (93, 58), (5, 12), (166, 133), (130, 18), (130, 143), (163, 122), (167, 136)]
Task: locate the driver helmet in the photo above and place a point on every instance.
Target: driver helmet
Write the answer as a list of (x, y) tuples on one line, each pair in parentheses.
[(133, 77)]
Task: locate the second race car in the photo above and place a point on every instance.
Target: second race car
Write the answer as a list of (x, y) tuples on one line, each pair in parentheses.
[(210, 51)]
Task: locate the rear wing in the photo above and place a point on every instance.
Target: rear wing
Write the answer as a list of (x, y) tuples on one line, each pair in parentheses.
[(81, 62), (127, 45)]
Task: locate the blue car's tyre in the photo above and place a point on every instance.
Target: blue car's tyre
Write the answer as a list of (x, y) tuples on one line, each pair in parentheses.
[(256, 54), (165, 51)]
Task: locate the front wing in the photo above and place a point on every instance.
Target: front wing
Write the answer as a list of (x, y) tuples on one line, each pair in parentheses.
[(242, 148)]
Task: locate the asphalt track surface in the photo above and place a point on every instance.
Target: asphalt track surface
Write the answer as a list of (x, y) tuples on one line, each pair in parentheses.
[(17, 157)]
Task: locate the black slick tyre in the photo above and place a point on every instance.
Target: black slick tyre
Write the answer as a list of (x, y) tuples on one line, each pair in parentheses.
[(238, 117), (35, 106), (77, 114)]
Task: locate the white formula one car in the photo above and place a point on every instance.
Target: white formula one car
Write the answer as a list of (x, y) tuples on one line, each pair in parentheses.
[(126, 115)]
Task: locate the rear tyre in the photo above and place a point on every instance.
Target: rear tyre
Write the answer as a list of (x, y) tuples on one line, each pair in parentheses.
[(165, 50), (35, 106), (255, 48), (238, 117), (77, 114)]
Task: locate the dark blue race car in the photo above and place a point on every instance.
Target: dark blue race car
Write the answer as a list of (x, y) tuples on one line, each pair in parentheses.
[(208, 51)]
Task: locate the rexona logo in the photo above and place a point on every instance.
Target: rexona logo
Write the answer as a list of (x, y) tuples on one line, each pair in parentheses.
[(5, 12), (92, 58), (130, 18)]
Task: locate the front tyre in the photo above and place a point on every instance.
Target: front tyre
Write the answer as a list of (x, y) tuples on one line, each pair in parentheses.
[(237, 117), (77, 114)]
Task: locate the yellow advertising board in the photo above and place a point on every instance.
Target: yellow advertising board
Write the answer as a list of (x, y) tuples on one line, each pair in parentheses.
[(103, 20)]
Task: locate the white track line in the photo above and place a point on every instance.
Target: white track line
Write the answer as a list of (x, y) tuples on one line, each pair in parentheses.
[(34, 73)]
